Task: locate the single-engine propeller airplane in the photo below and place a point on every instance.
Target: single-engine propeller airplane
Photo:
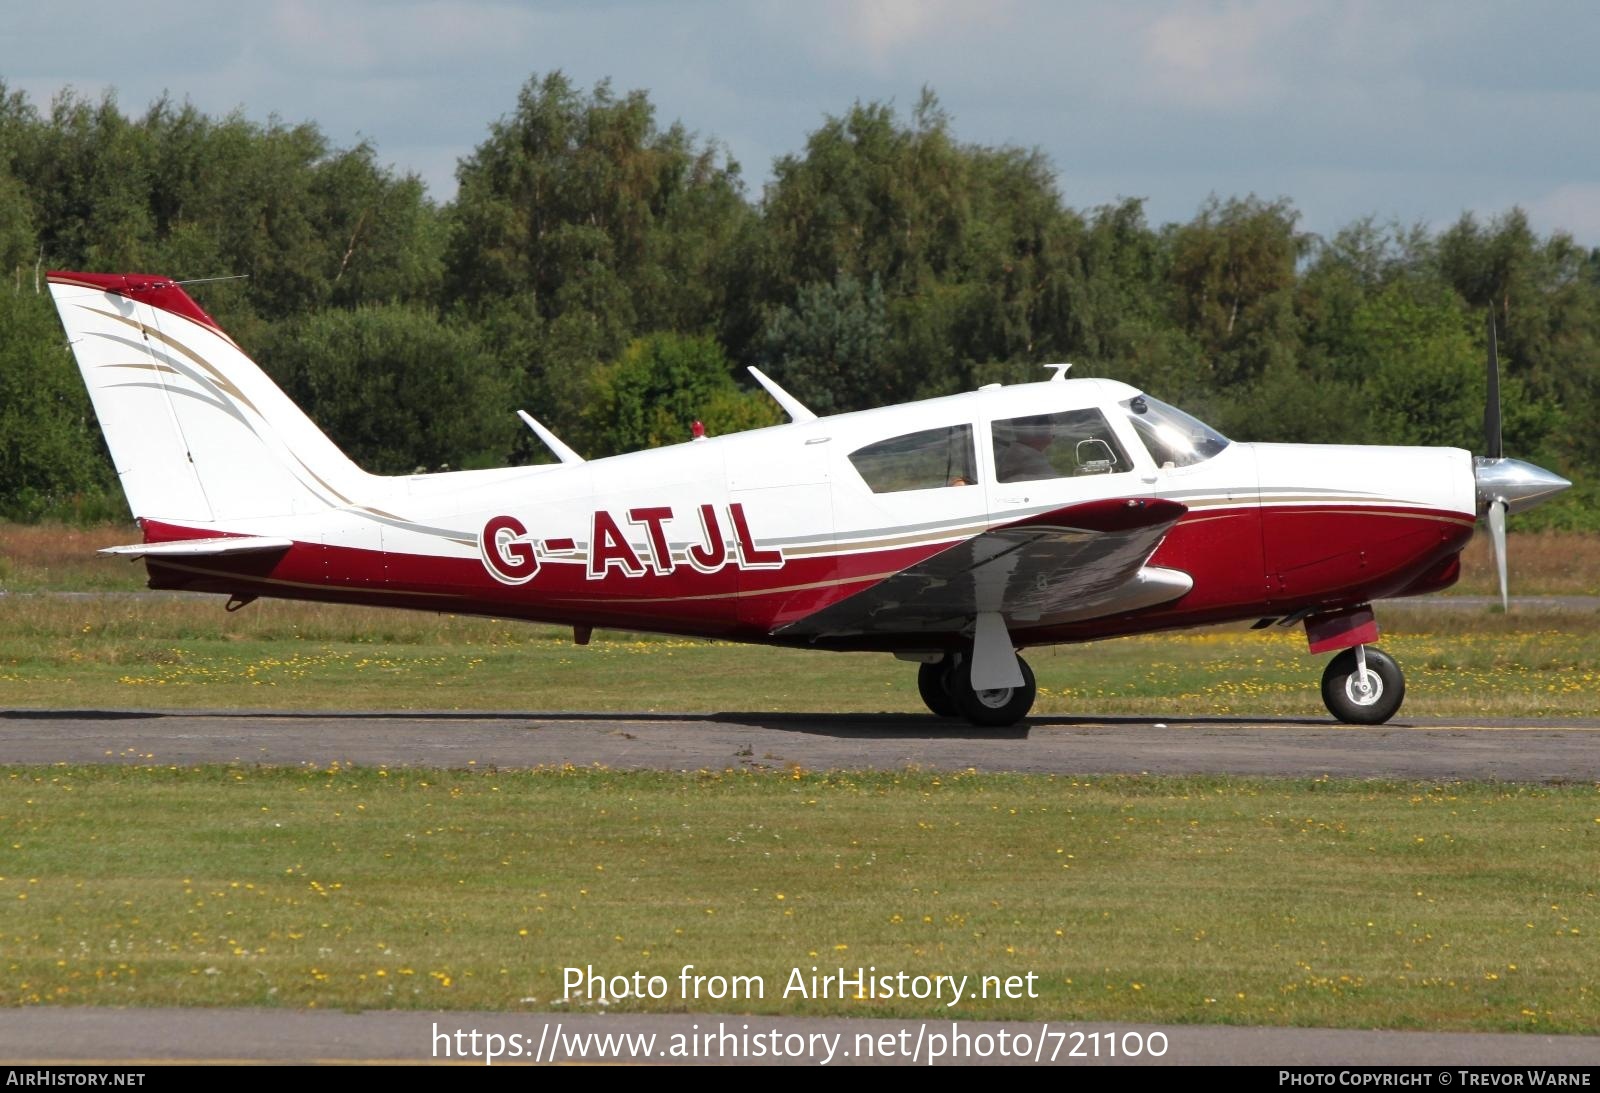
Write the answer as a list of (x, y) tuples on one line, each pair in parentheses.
[(950, 532)]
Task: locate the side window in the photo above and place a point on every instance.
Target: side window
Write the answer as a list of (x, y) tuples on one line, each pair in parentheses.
[(1064, 445), (926, 460)]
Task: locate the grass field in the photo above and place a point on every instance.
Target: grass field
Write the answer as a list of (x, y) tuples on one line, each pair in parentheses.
[(163, 652), (1130, 899)]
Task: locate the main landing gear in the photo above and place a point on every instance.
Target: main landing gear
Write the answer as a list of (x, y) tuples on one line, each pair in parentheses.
[(1363, 686), (947, 691)]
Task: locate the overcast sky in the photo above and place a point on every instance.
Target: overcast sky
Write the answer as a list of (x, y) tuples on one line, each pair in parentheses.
[(1404, 110)]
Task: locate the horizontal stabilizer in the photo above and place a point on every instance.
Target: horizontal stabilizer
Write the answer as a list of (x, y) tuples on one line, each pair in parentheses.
[(202, 548)]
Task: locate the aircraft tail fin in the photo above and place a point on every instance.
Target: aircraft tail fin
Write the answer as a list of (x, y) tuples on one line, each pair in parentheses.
[(198, 432)]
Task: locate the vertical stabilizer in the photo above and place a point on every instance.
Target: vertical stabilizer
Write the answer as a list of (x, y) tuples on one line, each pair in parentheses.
[(199, 434)]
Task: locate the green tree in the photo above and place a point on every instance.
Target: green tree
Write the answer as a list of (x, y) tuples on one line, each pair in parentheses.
[(1426, 378), (659, 387), (1348, 336), (51, 455), (89, 172), (969, 246), (582, 201), (830, 347), (1234, 271), (579, 223), (1345, 271), (179, 193), (394, 387), (17, 244), (1119, 311), (1544, 304), (310, 226)]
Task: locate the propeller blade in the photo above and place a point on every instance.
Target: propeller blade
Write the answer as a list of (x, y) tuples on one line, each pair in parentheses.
[(1491, 409), (1497, 538)]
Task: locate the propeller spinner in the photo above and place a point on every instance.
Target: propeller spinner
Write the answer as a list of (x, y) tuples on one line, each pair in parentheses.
[(1505, 485)]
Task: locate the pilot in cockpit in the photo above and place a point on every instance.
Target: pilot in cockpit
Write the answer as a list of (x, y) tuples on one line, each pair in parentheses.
[(1022, 457)]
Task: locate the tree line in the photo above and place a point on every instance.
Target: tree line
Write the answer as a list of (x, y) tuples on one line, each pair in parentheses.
[(614, 275)]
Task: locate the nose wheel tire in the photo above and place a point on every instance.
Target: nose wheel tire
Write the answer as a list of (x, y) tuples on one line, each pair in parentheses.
[(996, 708), (1358, 698)]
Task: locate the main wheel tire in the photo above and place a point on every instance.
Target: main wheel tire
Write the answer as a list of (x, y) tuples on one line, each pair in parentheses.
[(1342, 694), (933, 683), (997, 708)]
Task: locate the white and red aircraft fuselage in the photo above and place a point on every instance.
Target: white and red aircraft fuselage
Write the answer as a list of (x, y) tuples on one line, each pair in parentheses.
[(951, 532)]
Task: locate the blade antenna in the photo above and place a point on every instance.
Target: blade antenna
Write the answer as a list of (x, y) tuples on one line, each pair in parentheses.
[(551, 441), (791, 405), (214, 280)]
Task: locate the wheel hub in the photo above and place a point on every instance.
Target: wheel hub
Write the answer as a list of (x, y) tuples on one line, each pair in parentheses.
[(1364, 687), (995, 698)]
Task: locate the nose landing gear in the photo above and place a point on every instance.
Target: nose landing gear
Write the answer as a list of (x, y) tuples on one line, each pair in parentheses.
[(1363, 686)]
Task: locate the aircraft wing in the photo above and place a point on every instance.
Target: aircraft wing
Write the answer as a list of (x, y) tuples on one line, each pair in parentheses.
[(1078, 562)]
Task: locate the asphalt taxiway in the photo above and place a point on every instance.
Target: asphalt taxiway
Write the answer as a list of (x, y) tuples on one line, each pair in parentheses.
[(1509, 750), (129, 1039)]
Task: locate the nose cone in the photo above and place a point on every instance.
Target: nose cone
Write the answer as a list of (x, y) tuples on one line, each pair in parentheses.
[(1520, 485)]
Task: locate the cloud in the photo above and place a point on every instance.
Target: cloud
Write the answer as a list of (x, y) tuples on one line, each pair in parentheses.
[(1220, 57), (885, 27), (877, 36), (1573, 208), (418, 38)]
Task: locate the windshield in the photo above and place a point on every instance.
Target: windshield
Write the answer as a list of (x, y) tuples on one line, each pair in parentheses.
[(1174, 438)]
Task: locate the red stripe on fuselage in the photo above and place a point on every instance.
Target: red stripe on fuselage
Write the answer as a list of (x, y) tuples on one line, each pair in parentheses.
[(731, 602), (1325, 557)]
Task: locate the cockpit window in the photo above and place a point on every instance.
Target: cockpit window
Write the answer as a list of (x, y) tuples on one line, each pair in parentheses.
[(918, 461), (1064, 445), (1175, 439)]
